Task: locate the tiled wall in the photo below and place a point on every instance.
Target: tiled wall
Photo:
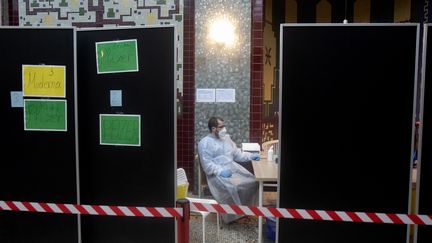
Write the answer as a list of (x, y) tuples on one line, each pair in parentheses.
[(91, 13), (223, 66), (257, 70), (185, 121), (271, 75), (12, 10)]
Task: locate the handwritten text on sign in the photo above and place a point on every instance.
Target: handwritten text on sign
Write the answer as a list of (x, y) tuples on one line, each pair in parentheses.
[(45, 115), (44, 80), (120, 129), (117, 56)]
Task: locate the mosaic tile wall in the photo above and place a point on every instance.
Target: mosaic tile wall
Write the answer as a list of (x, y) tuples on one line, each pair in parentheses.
[(98, 13), (221, 66)]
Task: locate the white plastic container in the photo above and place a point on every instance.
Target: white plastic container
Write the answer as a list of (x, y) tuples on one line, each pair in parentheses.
[(270, 154)]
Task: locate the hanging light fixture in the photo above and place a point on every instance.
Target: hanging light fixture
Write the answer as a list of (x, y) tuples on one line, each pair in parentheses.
[(222, 31)]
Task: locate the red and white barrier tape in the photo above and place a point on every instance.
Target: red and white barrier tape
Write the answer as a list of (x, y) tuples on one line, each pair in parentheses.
[(386, 218), (91, 209)]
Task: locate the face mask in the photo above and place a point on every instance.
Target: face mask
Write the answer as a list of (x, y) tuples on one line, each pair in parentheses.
[(222, 133)]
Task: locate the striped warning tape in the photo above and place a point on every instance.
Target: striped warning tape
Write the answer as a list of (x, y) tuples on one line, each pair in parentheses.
[(386, 218), (91, 209)]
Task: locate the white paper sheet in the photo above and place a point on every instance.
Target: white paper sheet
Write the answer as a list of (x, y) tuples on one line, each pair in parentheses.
[(205, 95), (225, 95)]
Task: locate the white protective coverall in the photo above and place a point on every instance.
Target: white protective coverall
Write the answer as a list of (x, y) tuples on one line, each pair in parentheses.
[(220, 154)]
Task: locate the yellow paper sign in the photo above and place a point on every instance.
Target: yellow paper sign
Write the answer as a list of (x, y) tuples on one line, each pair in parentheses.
[(44, 80)]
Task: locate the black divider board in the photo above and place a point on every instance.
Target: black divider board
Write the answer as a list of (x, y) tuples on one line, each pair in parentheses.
[(127, 175), (424, 181), (346, 127), (36, 166)]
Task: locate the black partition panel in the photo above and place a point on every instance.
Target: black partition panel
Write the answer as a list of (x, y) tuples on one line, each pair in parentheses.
[(128, 175), (346, 127), (37, 165), (424, 180)]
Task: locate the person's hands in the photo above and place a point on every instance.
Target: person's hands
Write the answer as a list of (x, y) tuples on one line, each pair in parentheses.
[(255, 157), (225, 173)]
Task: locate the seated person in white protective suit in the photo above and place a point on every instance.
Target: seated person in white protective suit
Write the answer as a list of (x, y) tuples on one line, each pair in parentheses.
[(229, 182)]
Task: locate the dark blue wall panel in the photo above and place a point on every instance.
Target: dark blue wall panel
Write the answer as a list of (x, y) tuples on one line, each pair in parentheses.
[(128, 175), (346, 127), (36, 166)]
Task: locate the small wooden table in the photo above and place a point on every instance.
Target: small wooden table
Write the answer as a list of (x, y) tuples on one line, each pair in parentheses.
[(264, 171)]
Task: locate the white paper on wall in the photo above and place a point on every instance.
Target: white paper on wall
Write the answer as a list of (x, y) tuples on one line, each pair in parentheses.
[(205, 95), (225, 95)]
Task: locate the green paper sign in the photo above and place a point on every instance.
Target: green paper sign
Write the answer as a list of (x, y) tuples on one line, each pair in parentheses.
[(45, 115), (120, 129), (117, 56)]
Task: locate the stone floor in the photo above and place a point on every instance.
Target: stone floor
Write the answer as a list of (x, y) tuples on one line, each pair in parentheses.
[(244, 230)]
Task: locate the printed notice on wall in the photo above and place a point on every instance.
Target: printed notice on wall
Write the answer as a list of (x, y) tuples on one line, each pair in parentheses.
[(44, 81), (225, 95), (205, 95), (116, 98), (116, 129), (45, 115), (117, 56), (17, 99)]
